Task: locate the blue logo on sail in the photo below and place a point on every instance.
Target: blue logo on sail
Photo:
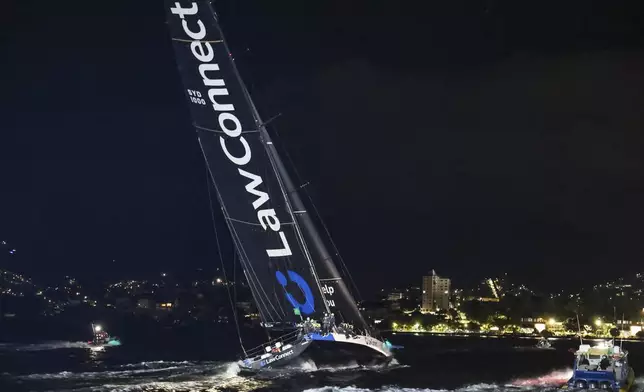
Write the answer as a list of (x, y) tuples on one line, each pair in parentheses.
[(308, 306)]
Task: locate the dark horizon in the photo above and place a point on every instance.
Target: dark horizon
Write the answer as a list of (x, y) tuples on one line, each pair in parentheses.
[(470, 138)]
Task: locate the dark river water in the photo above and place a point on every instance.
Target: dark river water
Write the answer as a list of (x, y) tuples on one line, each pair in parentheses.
[(427, 363)]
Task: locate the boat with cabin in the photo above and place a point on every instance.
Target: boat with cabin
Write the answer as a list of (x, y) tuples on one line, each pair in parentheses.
[(102, 339), (301, 296), (604, 366)]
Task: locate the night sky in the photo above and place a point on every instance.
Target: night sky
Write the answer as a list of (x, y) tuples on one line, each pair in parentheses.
[(471, 137)]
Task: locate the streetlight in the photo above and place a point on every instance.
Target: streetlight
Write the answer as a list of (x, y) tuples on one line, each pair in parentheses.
[(552, 321), (598, 322)]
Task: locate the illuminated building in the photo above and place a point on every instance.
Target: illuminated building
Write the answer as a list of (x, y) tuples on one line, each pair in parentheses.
[(435, 293)]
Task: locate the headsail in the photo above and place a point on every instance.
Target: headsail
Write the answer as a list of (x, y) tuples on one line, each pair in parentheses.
[(237, 152), (336, 293)]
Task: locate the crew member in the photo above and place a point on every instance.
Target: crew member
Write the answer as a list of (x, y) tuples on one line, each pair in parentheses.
[(331, 322), (325, 323)]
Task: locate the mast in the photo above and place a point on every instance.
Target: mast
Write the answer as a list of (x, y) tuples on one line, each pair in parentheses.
[(621, 335), (581, 341), (300, 214)]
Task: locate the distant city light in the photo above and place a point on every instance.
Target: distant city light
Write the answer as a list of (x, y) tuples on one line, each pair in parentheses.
[(598, 322), (552, 321)]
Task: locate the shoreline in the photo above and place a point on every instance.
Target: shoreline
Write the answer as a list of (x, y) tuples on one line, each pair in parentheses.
[(501, 335)]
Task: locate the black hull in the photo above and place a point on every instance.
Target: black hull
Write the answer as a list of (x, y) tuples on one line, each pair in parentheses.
[(327, 353), (279, 360)]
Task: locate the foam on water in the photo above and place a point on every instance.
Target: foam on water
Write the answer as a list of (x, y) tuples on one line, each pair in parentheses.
[(469, 388), (547, 382), (153, 376), (155, 364), (51, 345), (138, 369), (305, 365), (556, 377)]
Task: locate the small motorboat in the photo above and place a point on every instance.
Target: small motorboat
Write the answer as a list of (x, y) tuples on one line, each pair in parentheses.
[(393, 346), (102, 339), (544, 344), (604, 366)]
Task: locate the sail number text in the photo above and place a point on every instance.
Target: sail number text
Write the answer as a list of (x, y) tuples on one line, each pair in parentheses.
[(195, 97)]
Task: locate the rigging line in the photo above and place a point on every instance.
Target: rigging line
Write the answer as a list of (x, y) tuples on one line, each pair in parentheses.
[(326, 229), (252, 280), (262, 296), (216, 41), (335, 248), (221, 259), (251, 270), (234, 274), (288, 259), (289, 208), (235, 239), (199, 127), (234, 234), (253, 290), (252, 223), (251, 283)]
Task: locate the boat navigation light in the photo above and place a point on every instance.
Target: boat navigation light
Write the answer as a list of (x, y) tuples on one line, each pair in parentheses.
[(97, 328)]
